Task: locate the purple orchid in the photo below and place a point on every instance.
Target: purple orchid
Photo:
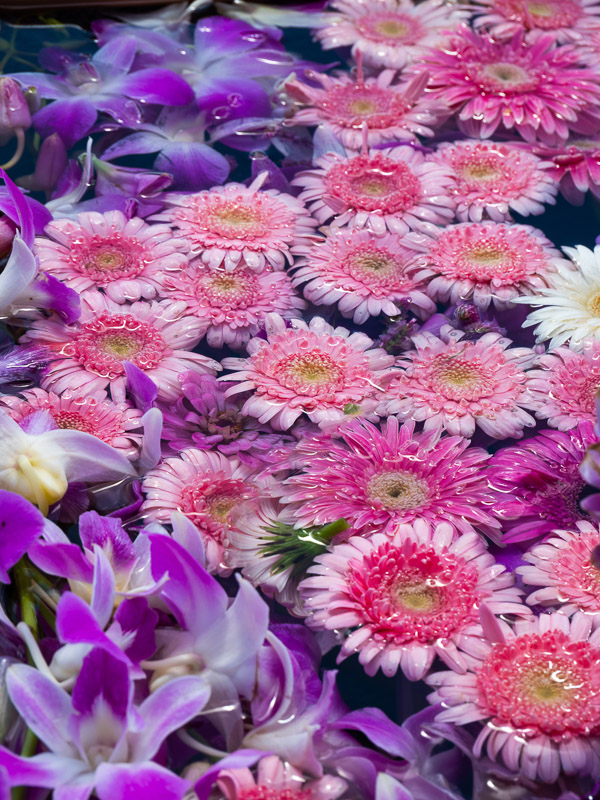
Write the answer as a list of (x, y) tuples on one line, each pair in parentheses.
[(20, 525), (105, 83), (97, 739)]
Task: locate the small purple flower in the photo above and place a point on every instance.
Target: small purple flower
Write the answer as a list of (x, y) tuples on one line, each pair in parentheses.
[(204, 418)]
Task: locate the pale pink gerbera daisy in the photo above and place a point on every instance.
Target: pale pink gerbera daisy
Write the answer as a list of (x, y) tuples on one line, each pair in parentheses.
[(396, 189), (307, 367), (366, 275), (88, 357), (566, 566), (564, 390), (409, 598), (492, 179), (121, 256), (377, 479), (565, 20), (536, 690), (388, 33), (117, 424), (537, 90), (232, 305), (453, 384), (236, 225), (393, 112), (204, 486), (277, 780), (490, 262)]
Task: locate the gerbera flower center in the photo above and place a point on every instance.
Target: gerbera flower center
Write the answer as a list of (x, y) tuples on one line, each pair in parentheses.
[(545, 14), (503, 76), (231, 219), (310, 373), (374, 183), (394, 29), (209, 499), (350, 105), (593, 305), (374, 266), (398, 489), (460, 377), (262, 792), (414, 593), (108, 259), (480, 168), (225, 290), (72, 421), (105, 342), (546, 684)]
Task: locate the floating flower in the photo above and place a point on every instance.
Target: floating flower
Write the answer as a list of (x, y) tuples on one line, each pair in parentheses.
[(205, 487), (277, 780), (365, 275), (235, 225), (490, 262), (396, 189), (492, 179), (117, 424), (564, 390), (576, 167), (308, 367), (566, 20), (89, 356), (405, 600), (392, 112), (121, 256), (453, 384), (536, 689), (565, 567), (232, 304), (537, 484), (378, 479), (568, 309), (537, 90), (388, 33)]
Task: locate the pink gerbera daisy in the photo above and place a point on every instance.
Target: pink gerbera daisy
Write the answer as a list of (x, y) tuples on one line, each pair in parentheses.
[(537, 90), (388, 33), (396, 189), (567, 569), (232, 305), (365, 275), (565, 20), (407, 599), (576, 167), (564, 390), (204, 486), (392, 112), (537, 485), (88, 356), (377, 479), (117, 424), (121, 256), (307, 367), (492, 179), (453, 384), (536, 689), (490, 262), (236, 225)]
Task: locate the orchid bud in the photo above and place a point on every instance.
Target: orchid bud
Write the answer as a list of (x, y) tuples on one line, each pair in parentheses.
[(51, 163), (7, 234), (14, 111), (130, 181)]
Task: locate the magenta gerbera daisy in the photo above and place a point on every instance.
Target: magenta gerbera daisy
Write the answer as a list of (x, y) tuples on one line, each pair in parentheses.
[(537, 485), (377, 479), (490, 262), (576, 167), (366, 275), (88, 356), (117, 424), (121, 256), (395, 189), (492, 179), (232, 304), (277, 780), (453, 384), (236, 225), (566, 568), (388, 33), (534, 89), (566, 20), (307, 367), (393, 112), (564, 390), (536, 690), (402, 601), (205, 487)]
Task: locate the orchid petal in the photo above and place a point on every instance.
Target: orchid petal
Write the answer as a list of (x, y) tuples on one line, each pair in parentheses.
[(194, 165), (23, 209), (88, 458), (151, 450), (388, 788), (238, 760), (76, 624), (45, 770), (72, 119), (142, 389), (62, 558), (48, 292), (17, 275), (188, 536), (116, 57), (157, 85), (380, 729), (20, 525), (136, 144), (103, 588), (132, 781), (102, 676)]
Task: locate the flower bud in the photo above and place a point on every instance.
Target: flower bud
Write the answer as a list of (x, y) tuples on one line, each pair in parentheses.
[(14, 111), (51, 163)]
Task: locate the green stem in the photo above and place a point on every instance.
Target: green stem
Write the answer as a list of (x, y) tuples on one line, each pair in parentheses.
[(28, 750), (26, 596)]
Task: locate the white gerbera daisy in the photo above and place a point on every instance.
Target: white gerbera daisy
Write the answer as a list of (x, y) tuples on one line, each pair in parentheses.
[(569, 309)]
